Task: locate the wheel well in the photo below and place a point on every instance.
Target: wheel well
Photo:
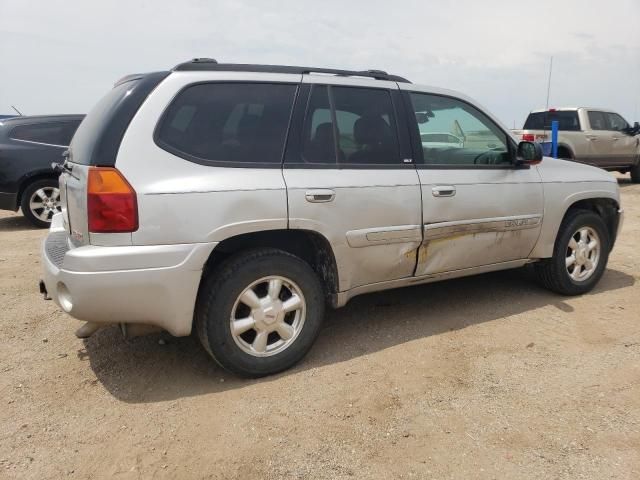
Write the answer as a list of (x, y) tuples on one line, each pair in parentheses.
[(606, 208), (28, 181), (564, 149), (311, 247)]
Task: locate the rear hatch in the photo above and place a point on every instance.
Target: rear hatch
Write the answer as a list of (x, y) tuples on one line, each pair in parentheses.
[(96, 144)]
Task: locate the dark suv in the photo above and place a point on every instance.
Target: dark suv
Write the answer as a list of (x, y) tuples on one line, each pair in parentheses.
[(28, 147)]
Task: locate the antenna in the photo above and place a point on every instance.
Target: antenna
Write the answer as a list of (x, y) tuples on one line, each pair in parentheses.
[(19, 112), (549, 81)]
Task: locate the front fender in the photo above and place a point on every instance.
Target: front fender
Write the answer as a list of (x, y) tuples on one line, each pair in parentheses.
[(557, 203)]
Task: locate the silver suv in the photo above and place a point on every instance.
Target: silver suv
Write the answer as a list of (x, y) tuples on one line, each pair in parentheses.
[(238, 200)]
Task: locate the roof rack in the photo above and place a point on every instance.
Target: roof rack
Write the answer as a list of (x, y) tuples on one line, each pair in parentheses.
[(210, 64)]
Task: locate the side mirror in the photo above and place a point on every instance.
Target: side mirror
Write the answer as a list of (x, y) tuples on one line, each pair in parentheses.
[(421, 117), (631, 131), (529, 153)]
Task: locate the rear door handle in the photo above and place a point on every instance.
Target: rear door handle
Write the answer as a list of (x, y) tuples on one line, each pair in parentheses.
[(322, 195), (443, 191), (591, 137)]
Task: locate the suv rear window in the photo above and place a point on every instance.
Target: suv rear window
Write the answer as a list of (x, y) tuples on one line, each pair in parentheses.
[(50, 133), (98, 138), (231, 123), (567, 121)]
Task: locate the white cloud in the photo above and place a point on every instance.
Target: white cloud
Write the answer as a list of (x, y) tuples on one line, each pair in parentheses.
[(61, 56)]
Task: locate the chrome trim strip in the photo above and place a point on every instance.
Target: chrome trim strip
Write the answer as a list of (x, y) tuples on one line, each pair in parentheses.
[(39, 143), (367, 237), (434, 231)]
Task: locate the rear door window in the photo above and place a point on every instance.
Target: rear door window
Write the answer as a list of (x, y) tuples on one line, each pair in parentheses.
[(366, 126), (230, 123), (598, 120), (567, 121), (49, 133), (356, 127), (319, 142)]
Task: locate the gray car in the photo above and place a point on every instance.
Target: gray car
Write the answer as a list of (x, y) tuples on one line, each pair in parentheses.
[(239, 200)]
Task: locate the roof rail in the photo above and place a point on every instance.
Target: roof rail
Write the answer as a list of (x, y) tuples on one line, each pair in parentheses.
[(209, 64)]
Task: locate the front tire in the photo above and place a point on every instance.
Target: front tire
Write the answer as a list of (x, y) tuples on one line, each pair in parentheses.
[(259, 312), (40, 201), (580, 255)]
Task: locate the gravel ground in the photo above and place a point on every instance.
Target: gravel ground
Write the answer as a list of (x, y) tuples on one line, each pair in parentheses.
[(483, 377)]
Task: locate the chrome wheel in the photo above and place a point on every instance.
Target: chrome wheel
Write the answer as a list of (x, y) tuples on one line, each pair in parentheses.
[(44, 203), (583, 254), (268, 316)]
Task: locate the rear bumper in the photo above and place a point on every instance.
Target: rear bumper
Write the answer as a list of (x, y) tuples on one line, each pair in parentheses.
[(8, 201), (151, 285)]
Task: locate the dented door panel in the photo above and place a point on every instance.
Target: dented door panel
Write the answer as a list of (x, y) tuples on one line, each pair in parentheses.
[(495, 216)]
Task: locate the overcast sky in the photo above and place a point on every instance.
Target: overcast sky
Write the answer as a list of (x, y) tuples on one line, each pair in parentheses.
[(61, 56)]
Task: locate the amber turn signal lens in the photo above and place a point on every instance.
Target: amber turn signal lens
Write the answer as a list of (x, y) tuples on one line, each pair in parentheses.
[(112, 205)]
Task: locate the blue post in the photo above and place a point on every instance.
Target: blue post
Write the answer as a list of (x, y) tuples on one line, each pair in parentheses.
[(554, 138)]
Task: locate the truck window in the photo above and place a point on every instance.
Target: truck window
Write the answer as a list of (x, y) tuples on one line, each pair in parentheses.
[(598, 120), (616, 122), (567, 121)]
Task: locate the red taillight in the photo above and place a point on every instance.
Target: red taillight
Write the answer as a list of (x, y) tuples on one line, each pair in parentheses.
[(528, 137), (112, 206)]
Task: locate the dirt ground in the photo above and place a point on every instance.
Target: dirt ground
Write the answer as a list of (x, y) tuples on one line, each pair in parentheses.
[(484, 377)]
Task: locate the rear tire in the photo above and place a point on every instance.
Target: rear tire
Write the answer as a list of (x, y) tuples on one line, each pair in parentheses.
[(40, 201), (635, 173), (580, 255), (259, 312), (564, 154)]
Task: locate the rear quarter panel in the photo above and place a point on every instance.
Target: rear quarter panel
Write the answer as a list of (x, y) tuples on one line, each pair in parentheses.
[(184, 202)]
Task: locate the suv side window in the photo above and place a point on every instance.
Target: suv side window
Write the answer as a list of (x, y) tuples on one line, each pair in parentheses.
[(454, 133), (318, 138), (361, 119), (616, 122), (50, 133), (366, 126), (598, 120), (233, 123)]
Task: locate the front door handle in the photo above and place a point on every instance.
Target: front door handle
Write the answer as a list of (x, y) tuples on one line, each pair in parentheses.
[(443, 191), (322, 195)]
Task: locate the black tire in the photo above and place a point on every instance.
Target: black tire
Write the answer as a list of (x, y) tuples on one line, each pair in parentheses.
[(32, 216), (635, 173), (553, 272), (564, 153), (219, 291)]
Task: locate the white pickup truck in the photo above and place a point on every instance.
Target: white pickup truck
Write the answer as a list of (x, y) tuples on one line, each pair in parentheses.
[(588, 135)]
